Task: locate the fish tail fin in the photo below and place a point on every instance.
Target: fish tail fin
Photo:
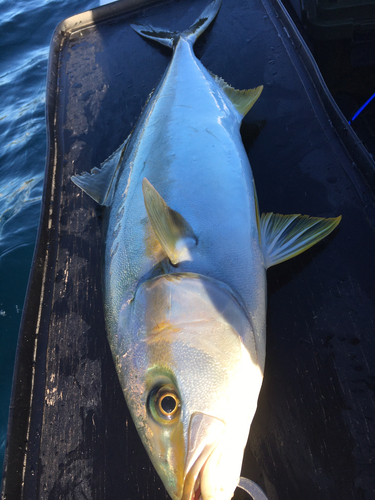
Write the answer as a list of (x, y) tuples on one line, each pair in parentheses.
[(170, 38), (203, 21)]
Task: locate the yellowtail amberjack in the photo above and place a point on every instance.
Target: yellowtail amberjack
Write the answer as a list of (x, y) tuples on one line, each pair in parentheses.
[(185, 271)]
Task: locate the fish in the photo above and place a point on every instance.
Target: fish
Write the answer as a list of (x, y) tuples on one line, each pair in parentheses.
[(184, 275)]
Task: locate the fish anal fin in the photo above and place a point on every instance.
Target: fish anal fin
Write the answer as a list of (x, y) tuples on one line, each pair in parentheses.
[(171, 229), (242, 100), (99, 184), (285, 236)]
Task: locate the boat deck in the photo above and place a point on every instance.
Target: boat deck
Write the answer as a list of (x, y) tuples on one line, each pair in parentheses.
[(70, 433)]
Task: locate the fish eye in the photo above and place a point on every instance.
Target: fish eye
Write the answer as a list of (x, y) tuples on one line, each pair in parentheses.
[(168, 404), (164, 404)]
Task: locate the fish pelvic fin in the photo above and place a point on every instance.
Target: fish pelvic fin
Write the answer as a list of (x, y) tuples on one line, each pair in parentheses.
[(170, 38), (100, 183), (171, 229), (285, 236)]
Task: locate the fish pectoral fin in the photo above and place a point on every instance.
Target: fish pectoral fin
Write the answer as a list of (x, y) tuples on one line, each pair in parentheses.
[(285, 236), (100, 183), (171, 229), (242, 100)]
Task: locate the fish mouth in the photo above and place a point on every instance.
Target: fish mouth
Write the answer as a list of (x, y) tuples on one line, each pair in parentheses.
[(192, 483), (203, 437)]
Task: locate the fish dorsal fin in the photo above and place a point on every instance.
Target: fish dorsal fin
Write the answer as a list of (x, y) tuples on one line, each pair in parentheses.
[(242, 100), (285, 236), (100, 183), (172, 230)]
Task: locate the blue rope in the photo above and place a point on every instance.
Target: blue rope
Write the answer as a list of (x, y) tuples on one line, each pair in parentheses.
[(361, 108)]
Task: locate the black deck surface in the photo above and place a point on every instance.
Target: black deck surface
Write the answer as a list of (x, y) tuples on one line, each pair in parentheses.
[(70, 434)]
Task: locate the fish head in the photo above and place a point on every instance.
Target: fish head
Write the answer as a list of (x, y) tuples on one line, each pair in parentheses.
[(191, 382)]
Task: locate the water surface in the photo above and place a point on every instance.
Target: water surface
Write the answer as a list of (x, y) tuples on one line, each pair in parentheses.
[(26, 28)]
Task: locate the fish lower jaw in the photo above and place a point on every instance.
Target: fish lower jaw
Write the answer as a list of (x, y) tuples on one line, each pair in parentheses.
[(197, 487), (195, 492), (204, 434)]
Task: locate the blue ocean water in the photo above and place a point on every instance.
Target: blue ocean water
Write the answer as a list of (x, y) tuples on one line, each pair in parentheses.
[(26, 28)]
